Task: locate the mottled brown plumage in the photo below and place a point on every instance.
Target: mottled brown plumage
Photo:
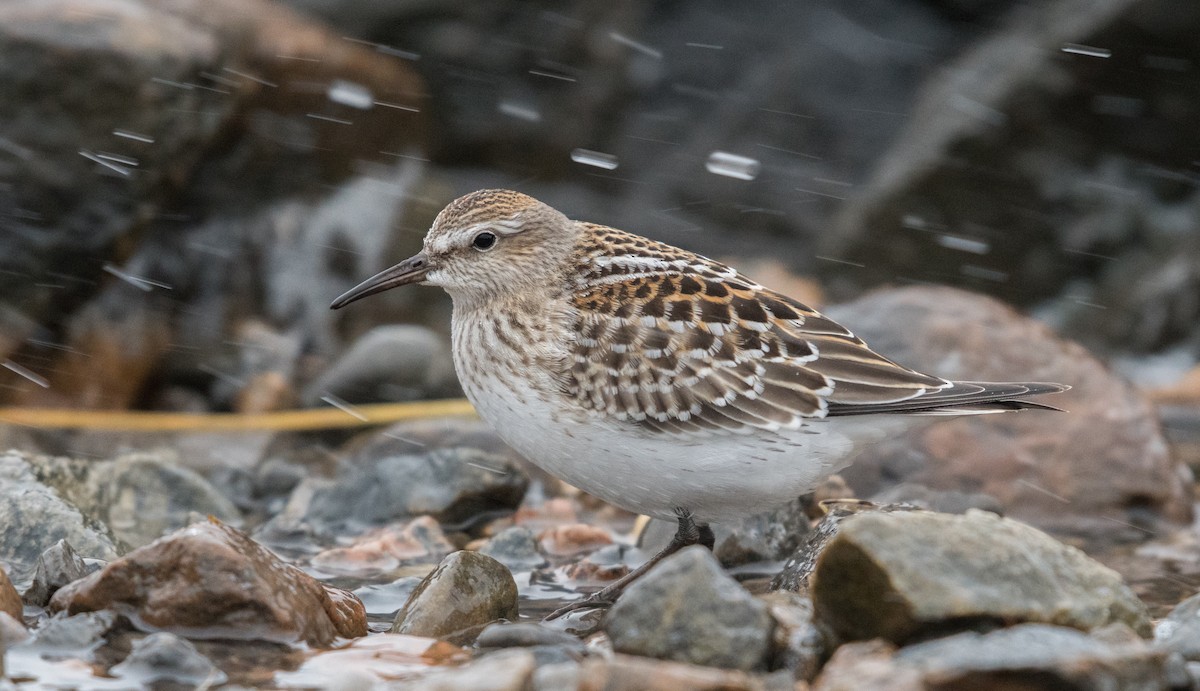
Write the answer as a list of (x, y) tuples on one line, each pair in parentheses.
[(659, 380)]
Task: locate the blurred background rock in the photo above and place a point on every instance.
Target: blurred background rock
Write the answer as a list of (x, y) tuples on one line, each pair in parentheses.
[(185, 184)]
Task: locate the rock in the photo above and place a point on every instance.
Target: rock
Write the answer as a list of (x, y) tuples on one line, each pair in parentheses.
[(464, 592), (388, 481), (385, 549), (867, 665), (687, 609), (526, 634), (942, 501), (898, 575), (1180, 631), (573, 539), (12, 632), (384, 600), (630, 672), (143, 496), (389, 363), (35, 516), (165, 657), (799, 645), (222, 91), (516, 548), (74, 636), (1035, 656), (56, 567), (1100, 471), (10, 600), (798, 568), (210, 580)]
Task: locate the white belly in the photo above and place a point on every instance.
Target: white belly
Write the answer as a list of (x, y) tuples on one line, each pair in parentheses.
[(717, 478)]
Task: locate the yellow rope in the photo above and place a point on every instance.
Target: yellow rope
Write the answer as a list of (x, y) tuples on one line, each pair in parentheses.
[(309, 419)]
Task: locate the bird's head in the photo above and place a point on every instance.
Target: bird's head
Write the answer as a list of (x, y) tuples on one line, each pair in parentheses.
[(485, 245)]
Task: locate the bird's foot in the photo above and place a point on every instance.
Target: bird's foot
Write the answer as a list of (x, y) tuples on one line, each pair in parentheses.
[(597, 600)]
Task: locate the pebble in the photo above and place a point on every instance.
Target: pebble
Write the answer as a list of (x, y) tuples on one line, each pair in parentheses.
[(10, 600), (165, 657), (515, 547), (1179, 631), (687, 609), (56, 567), (799, 644), (572, 539), (897, 575), (466, 591), (631, 673), (395, 362), (420, 540), (211, 580)]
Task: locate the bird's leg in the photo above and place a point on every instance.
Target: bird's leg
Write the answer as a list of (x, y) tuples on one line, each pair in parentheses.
[(687, 534)]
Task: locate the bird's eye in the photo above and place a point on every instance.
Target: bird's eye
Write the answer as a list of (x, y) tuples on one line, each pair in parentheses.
[(484, 241)]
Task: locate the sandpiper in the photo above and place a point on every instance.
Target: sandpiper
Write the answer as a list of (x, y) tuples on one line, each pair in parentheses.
[(659, 380)]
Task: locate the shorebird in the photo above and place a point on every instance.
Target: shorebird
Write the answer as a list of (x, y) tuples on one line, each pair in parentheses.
[(659, 380)]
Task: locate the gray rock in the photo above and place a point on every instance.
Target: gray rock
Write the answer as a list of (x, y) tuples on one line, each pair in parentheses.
[(389, 363), (1036, 656), (56, 567), (895, 575), (143, 496), (526, 634), (515, 547), (1179, 631), (385, 485), (35, 516), (76, 636), (466, 591), (687, 609), (1026, 656), (165, 657)]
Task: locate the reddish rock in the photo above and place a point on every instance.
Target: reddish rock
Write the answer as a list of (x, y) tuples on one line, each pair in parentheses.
[(212, 581), (867, 665), (1100, 471), (633, 672), (551, 512), (385, 549), (576, 538), (10, 599)]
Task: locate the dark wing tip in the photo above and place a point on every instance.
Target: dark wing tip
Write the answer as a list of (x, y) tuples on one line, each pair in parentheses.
[(962, 398)]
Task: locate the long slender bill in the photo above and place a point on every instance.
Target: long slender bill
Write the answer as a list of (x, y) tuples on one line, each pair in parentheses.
[(411, 270)]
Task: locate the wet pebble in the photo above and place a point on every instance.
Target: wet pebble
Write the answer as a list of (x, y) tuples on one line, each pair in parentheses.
[(418, 541), (515, 547), (165, 657), (466, 591), (631, 673), (56, 567), (526, 634), (895, 575), (575, 538), (504, 670), (687, 609), (75, 635), (211, 580)]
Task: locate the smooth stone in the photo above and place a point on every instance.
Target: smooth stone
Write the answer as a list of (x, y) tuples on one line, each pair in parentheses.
[(525, 634), (165, 657), (631, 673), (212, 581), (896, 575), (72, 635), (466, 591), (385, 549), (516, 547), (687, 609), (1101, 471), (56, 567), (503, 670)]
